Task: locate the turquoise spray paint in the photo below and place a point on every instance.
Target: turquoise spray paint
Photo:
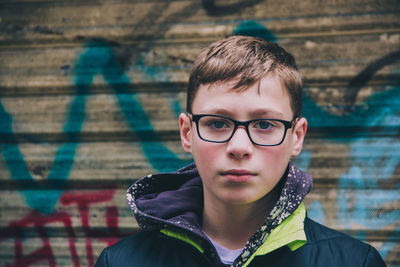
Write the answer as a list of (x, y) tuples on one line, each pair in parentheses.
[(379, 115), (98, 59)]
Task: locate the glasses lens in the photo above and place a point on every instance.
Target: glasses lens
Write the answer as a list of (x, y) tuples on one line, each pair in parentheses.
[(267, 132), (214, 128)]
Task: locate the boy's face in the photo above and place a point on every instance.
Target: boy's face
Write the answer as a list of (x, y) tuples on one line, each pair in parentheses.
[(239, 172)]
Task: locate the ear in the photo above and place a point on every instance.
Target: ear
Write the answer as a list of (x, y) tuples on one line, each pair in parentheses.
[(185, 128), (300, 130)]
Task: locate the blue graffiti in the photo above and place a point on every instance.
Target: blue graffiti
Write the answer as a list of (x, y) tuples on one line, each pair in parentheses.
[(255, 29), (41, 200), (97, 59), (379, 115), (101, 54), (373, 162)]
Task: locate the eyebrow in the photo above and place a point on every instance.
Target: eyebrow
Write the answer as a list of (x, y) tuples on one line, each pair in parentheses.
[(268, 113), (258, 113)]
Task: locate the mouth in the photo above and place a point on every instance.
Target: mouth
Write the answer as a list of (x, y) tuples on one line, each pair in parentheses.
[(238, 175)]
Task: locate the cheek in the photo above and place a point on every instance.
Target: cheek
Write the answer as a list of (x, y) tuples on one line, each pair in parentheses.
[(204, 153), (207, 158), (276, 158)]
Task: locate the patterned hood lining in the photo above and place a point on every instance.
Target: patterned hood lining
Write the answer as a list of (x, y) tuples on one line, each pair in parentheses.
[(176, 200), (298, 184)]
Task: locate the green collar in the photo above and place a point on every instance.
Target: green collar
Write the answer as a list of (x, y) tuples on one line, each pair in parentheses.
[(290, 233)]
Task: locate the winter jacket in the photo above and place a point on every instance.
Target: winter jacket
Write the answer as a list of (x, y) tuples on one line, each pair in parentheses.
[(168, 208)]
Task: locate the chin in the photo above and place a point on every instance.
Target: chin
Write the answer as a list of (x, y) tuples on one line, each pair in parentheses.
[(240, 198)]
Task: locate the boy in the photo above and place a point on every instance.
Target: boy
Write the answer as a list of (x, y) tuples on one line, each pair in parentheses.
[(241, 202)]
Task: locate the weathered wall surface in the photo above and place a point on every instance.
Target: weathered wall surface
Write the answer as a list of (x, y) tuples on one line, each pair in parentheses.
[(90, 92)]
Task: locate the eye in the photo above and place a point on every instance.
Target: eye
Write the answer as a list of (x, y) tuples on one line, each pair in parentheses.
[(263, 125), (217, 124)]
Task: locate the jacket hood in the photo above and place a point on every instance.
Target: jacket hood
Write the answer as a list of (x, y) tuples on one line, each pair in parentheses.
[(175, 200), (168, 199)]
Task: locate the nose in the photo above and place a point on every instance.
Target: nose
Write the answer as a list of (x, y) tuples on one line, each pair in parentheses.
[(240, 145)]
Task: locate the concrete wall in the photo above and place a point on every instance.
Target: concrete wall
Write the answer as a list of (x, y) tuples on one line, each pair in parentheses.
[(90, 92)]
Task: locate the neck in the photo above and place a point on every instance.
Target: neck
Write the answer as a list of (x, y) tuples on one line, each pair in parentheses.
[(232, 225)]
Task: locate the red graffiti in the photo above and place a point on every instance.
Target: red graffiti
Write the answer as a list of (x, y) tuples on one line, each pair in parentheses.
[(37, 222), (83, 201)]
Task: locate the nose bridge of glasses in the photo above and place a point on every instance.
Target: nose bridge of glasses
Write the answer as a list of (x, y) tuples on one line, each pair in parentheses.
[(243, 124), (244, 127)]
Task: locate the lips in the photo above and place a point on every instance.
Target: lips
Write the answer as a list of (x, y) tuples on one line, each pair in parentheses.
[(238, 175)]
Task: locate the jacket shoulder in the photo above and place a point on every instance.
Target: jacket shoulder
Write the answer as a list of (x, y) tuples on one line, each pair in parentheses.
[(125, 250), (317, 232), (150, 248), (347, 249)]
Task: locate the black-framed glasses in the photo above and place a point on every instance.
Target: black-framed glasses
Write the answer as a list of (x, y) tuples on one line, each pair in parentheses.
[(261, 132)]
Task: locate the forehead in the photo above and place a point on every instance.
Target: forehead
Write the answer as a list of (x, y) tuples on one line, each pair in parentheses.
[(267, 98)]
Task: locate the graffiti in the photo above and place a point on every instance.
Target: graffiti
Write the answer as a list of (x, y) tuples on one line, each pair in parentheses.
[(255, 29), (373, 161), (378, 116), (97, 59), (38, 199), (83, 202), (45, 252), (366, 74), (101, 54), (359, 126), (220, 10), (37, 222)]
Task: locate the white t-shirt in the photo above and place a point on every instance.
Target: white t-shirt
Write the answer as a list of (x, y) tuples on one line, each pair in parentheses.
[(227, 256)]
